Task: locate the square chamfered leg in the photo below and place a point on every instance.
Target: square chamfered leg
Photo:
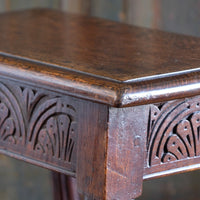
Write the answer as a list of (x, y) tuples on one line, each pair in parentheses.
[(111, 152)]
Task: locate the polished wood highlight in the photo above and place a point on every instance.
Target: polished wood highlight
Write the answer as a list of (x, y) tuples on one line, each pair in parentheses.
[(80, 43), (106, 103), (75, 53)]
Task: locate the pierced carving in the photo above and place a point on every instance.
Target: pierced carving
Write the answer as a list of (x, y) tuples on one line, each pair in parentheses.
[(38, 122), (173, 131)]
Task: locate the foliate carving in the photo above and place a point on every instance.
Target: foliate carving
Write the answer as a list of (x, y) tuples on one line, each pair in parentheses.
[(29, 98), (54, 131), (173, 131), (7, 126), (38, 122), (54, 139), (12, 128)]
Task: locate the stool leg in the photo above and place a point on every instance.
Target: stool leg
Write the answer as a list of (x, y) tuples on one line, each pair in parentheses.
[(111, 155), (64, 187)]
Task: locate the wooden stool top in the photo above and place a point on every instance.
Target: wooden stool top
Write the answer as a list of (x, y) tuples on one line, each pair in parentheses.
[(96, 59)]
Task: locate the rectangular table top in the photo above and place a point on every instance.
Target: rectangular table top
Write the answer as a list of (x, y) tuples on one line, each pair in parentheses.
[(108, 62)]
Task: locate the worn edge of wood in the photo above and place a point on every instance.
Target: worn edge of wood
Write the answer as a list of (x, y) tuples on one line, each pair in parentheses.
[(100, 89), (125, 152)]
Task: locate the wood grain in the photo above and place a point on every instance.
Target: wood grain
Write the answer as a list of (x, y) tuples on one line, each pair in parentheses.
[(125, 152), (92, 151), (129, 66), (81, 43)]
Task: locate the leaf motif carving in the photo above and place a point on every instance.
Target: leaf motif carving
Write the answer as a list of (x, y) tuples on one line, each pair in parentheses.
[(38, 121), (29, 98), (12, 127), (55, 138), (175, 132)]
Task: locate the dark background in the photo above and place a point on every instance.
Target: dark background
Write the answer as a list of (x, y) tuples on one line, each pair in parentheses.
[(19, 180)]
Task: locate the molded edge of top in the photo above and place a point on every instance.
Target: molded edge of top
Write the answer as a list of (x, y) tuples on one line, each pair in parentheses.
[(113, 93), (161, 88)]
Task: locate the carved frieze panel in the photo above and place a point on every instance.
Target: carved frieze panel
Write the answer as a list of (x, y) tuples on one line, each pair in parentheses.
[(38, 123), (173, 131)]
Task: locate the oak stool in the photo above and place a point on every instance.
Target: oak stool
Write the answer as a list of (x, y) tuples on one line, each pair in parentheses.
[(106, 103)]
